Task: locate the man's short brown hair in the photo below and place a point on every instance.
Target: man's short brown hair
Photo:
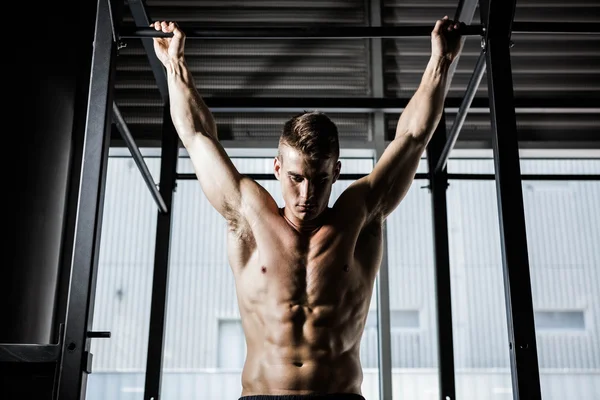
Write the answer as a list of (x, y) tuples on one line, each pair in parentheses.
[(313, 134)]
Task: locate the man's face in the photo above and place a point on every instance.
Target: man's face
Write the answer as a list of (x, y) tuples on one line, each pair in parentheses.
[(305, 184)]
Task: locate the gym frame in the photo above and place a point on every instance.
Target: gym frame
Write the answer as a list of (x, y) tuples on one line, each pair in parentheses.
[(72, 354)]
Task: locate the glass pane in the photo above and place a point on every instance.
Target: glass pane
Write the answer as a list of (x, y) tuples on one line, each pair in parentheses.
[(124, 283), (404, 319), (470, 165), (563, 235), (481, 354), (201, 295), (541, 166), (559, 321), (232, 345), (560, 166), (415, 371)]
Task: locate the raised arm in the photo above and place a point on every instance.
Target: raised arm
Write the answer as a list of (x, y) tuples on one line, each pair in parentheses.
[(229, 192), (388, 183)]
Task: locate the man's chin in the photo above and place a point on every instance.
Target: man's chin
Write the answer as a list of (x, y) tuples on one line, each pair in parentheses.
[(306, 215)]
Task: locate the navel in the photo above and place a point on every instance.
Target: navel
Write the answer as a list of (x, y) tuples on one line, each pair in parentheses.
[(346, 268), (263, 269)]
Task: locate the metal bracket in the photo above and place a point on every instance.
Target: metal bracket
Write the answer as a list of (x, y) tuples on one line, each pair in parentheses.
[(87, 362)]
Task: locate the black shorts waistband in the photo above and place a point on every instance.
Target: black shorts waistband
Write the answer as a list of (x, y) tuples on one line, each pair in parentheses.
[(327, 396)]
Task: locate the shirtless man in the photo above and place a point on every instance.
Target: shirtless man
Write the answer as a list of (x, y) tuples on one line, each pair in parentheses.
[(304, 273)]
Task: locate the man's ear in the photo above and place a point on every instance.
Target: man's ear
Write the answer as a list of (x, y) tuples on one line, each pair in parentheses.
[(277, 167), (337, 170)]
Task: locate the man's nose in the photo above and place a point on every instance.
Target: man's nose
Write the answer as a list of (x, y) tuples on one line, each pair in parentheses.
[(306, 189)]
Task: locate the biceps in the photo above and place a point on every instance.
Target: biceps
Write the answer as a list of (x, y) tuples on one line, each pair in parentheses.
[(218, 177), (393, 174)]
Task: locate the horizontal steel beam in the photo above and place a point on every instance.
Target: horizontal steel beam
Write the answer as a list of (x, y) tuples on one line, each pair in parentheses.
[(557, 28), (309, 32), (527, 177), (270, 177), (451, 176), (138, 158), (35, 353), (383, 104)]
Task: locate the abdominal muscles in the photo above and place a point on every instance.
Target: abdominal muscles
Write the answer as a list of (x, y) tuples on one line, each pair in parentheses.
[(304, 341)]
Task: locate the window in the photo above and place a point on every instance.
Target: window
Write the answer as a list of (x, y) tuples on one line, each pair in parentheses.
[(400, 320), (124, 282), (559, 321), (562, 222), (232, 345), (562, 241), (413, 328)]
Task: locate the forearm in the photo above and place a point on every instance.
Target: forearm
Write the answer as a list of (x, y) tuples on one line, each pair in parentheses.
[(422, 113), (189, 113)]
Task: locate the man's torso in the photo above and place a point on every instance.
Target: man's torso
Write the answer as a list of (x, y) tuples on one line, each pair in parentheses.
[(303, 299)]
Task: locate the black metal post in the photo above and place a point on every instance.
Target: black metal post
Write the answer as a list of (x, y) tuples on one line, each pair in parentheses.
[(515, 260), (160, 284), (311, 32), (138, 158), (76, 356), (438, 181), (462, 112)]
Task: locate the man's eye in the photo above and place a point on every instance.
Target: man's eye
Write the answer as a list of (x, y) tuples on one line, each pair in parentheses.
[(297, 178)]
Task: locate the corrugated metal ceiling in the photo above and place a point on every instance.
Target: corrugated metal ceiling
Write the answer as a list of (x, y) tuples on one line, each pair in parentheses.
[(544, 67)]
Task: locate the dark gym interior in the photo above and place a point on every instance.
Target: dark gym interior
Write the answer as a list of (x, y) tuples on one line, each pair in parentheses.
[(85, 81)]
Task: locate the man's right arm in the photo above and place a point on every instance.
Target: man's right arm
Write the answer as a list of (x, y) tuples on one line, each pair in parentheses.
[(229, 192)]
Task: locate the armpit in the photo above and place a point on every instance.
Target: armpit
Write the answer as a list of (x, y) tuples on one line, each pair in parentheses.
[(238, 225), (373, 228)]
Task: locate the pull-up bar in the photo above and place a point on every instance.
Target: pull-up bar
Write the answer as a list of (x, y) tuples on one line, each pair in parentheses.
[(353, 32), (312, 32)]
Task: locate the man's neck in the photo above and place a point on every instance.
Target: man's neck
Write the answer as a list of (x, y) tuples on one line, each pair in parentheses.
[(300, 226)]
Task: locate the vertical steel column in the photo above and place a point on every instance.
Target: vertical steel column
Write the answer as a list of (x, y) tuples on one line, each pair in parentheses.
[(517, 282), (76, 357), (438, 182), (160, 281), (383, 281)]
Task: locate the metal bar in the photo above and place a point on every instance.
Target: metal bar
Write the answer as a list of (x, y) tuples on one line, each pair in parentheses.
[(529, 177), (160, 281), (560, 28), (378, 143), (76, 348), (138, 158), (271, 177), (310, 32), (465, 11), (438, 185), (267, 177), (383, 104), (515, 258), (462, 112), (138, 12), (36, 353)]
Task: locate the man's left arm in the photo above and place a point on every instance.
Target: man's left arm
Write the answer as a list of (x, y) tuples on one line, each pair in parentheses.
[(393, 174)]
